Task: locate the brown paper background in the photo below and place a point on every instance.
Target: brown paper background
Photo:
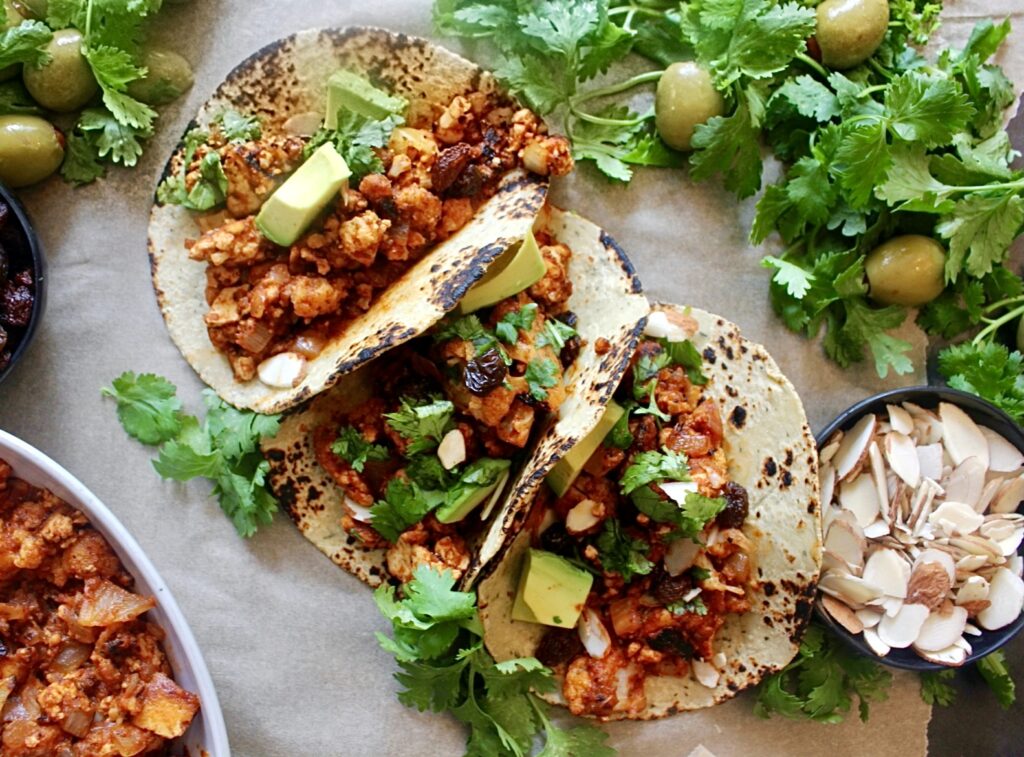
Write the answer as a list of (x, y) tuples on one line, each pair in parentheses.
[(288, 637)]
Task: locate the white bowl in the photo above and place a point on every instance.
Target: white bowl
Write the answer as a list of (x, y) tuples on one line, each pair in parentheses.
[(207, 735)]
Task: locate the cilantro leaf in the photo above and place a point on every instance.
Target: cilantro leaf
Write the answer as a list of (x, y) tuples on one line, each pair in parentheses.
[(728, 145), (470, 329), (507, 329), (935, 690), (988, 370), (224, 448), (147, 406), (405, 504), (822, 681), (423, 423), (25, 43), (652, 466), (620, 436), (112, 137), (810, 97), (684, 354), (926, 110), (356, 137), (620, 553), (16, 101), (980, 230), (541, 374), (555, 334), (81, 159), (688, 518), (795, 279), (238, 127), (695, 606), (352, 447), (993, 669), (437, 641), (114, 68)]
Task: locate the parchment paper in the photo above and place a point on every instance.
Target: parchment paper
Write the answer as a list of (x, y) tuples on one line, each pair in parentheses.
[(288, 637)]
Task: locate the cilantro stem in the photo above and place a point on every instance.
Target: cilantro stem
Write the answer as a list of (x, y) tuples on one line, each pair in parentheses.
[(878, 69), (1003, 303), (631, 9), (873, 89), (993, 326), (1019, 184), (810, 62), (613, 89), (602, 121)]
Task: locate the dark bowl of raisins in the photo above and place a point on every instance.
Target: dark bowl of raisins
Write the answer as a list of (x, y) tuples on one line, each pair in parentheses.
[(22, 281)]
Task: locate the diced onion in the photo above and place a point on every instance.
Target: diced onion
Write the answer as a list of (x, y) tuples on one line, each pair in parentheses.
[(625, 616), (660, 327), (677, 490), (359, 512), (256, 339), (283, 371), (705, 673), (105, 604), (680, 555)]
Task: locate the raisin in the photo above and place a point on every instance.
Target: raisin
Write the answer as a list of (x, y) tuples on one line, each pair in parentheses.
[(672, 641), (471, 181), (16, 302), (3, 265), (559, 645), (450, 163), (667, 589), (556, 539), (484, 373), (570, 351), (737, 504)]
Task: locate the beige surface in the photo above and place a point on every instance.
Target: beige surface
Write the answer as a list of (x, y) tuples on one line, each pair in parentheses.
[(287, 635)]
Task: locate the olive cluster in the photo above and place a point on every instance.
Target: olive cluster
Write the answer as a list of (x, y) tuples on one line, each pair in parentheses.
[(32, 147)]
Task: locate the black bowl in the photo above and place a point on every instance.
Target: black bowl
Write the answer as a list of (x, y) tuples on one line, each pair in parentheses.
[(19, 220), (981, 412)]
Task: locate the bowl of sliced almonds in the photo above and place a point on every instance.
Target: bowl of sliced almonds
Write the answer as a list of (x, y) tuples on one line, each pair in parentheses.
[(920, 492)]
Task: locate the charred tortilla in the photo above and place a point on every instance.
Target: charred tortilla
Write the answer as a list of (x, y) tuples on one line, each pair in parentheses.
[(771, 453), (286, 79), (601, 274)]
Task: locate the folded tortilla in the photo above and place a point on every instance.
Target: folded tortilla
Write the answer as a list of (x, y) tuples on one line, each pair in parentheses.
[(771, 452), (608, 302), (288, 78)]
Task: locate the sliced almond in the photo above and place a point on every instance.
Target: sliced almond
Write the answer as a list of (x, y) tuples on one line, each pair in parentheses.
[(1009, 497), (705, 673), (956, 518), (1015, 564), (680, 555), (974, 589), (929, 585), (283, 370), (842, 614), (847, 542), (988, 494), (953, 656), (900, 420), (358, 512), (969, 563), (827, 477), (900, 630), (584, 516), (452, 449), (877, 529), (595, 637), (853, 449), (961, 435), (860, 496), (901, 454), (879, 477), (1006, 593), (850, 589), (941, 630), (972, 630), (936, 556), (888, 571), (966, 482), (868, 617), (1003, 457), (929, 459), (830, 449), (873, 640)]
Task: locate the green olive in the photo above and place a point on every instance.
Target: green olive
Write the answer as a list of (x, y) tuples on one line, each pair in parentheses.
[(906, 270), (168, 75), (36, 9), (849, 31), (686, 97), (13, 19), (65, 83), (31, 149)]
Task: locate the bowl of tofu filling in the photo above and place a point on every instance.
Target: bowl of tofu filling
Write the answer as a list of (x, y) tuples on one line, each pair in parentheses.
[(117, 670), (921, 490)]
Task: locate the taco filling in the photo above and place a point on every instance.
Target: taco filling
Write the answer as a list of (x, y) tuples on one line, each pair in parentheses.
[(425, 459), (303, 231), (637, 554)]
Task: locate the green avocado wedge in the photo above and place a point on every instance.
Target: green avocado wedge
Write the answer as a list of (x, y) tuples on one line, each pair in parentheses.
[(515, 270)]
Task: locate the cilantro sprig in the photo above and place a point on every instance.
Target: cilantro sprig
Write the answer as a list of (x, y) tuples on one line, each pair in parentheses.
[(437, 641), (224, 447)]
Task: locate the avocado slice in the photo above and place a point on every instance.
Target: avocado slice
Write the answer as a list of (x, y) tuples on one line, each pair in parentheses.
[(568, 468), (515, 269), (291, 209), (479, 480), (349, 91), (552, 590)]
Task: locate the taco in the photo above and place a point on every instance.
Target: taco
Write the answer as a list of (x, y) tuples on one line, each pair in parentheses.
[(334, 198), (426, 455), (672, 559)]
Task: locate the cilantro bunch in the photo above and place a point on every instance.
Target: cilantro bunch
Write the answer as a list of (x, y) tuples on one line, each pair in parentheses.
[(899, 144), (113, 129), (223, 448), (438, 643)]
